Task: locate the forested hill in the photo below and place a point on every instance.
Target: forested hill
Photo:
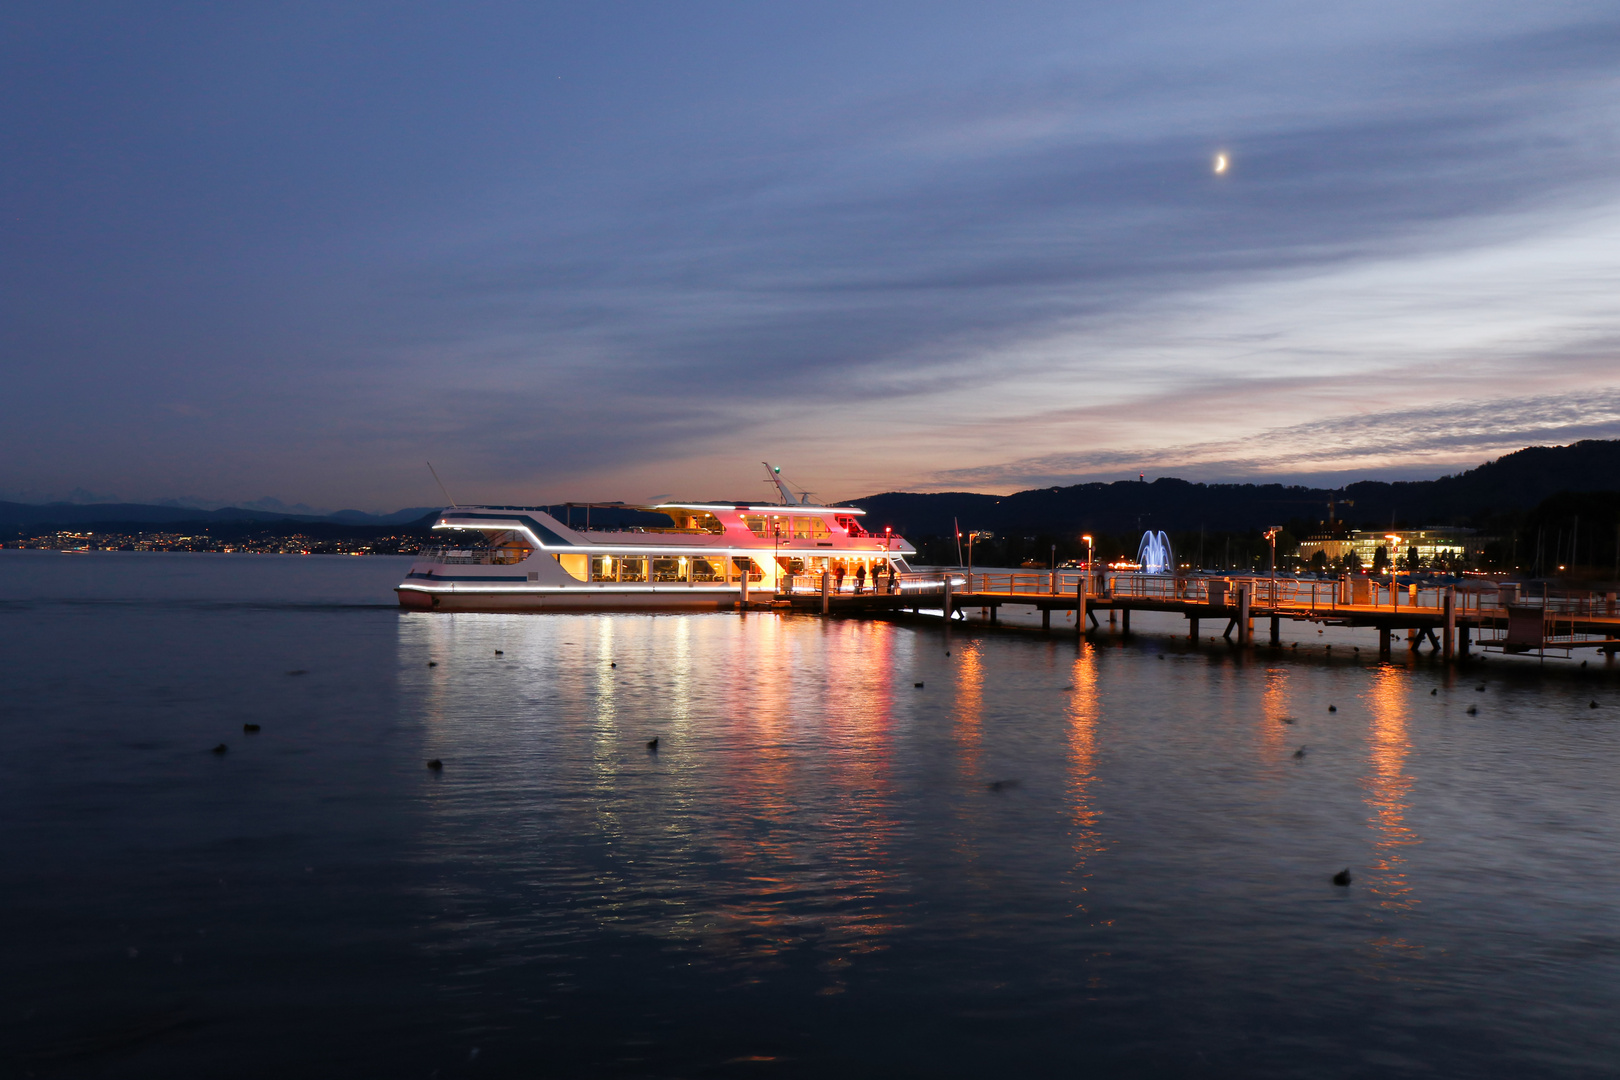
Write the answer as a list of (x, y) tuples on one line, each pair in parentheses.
[(1514, 482)]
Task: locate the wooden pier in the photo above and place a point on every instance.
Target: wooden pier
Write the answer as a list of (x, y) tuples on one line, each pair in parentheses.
[(1450, 619)]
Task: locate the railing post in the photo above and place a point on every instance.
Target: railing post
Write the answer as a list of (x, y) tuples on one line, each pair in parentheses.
[(1080, 606), (947, 597), (826, 591), (1243, 614)]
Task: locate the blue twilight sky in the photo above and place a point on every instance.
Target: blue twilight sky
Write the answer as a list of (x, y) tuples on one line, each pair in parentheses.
[(620, 250)]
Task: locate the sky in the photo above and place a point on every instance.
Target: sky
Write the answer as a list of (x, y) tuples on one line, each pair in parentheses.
[(618, 251)]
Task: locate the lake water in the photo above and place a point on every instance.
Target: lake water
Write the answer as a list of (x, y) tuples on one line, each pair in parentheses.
[(1048, 859)]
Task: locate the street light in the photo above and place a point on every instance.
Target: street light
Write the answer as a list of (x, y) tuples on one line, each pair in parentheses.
[(1271, 535), (972, 536), (1087, 539)]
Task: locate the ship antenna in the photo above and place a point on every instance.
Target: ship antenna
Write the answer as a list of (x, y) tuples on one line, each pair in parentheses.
[(442, 488), (774, 472)]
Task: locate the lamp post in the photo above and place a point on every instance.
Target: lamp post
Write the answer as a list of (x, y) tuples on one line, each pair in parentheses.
[(1089, 549), (1271, 535)]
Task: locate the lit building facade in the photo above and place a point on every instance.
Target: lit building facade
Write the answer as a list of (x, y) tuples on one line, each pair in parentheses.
[(1436, 544)]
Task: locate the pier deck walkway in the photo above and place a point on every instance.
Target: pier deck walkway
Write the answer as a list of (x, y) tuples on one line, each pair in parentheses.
[(1449, 618)]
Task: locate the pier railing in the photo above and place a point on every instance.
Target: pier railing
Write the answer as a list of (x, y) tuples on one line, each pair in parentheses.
[(1482, 603), (1313, 594)]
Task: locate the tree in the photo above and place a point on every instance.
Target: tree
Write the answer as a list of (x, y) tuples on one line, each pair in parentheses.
[(1319, 562), (1380, 559)]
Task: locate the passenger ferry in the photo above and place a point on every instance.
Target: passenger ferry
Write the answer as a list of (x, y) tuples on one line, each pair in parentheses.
[(708, 556)]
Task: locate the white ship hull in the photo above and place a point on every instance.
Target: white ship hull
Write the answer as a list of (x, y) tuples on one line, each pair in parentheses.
[(713, 557)]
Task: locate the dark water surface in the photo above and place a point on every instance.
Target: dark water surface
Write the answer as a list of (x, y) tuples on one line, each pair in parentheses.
[(815, 874)]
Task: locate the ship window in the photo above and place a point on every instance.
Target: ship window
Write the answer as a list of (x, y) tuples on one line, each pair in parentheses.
[(577, 566), (745, 565), (696, 521), (670, 568), (758, 524), (810, 528), (510, 547), (708, 570), (618, 568)]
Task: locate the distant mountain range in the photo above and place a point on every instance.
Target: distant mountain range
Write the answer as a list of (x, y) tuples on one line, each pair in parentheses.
[(22, 514), (1515, 482)]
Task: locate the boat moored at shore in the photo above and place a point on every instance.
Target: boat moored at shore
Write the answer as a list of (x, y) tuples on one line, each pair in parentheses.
[(708, 556)]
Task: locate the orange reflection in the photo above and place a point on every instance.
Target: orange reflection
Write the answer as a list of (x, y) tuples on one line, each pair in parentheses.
[(1388, 790), (1274, 705), (1083, 711), (819, 723), (968, 713)]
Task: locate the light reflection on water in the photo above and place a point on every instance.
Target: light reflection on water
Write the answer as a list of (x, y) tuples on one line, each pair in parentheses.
[(1389, 786), (814, 872)]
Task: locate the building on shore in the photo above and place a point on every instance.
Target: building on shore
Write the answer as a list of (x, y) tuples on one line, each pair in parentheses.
[(1435, 545)]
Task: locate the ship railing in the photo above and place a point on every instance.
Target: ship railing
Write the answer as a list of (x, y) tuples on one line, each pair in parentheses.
[(460, 556)]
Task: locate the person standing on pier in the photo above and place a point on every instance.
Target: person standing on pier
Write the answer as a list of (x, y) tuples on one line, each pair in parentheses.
[(860, 579), (838, 578)]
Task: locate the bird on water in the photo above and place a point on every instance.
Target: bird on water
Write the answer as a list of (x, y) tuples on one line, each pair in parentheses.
[(652, 744), (249, 728), (1299, 753), (220, 749), (1333, 708), (435, 764), (1342, 878)]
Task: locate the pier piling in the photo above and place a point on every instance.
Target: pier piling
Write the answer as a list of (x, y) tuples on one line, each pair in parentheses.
[(1451, 622)]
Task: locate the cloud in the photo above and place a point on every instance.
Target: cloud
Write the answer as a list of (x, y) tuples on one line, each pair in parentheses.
[(1419, 441), (900, 250)]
